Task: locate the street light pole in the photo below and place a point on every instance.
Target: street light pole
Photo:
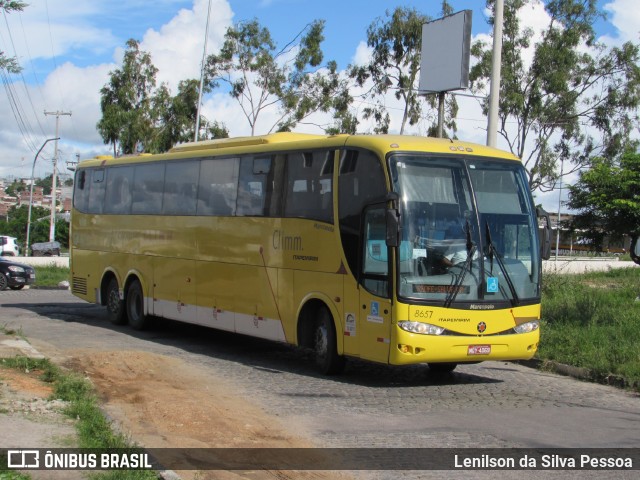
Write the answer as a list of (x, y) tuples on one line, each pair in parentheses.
[(204, 58), (33, 168)]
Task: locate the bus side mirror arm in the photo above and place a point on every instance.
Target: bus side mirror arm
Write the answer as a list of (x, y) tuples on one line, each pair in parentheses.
[(634, 249), (545, 233)]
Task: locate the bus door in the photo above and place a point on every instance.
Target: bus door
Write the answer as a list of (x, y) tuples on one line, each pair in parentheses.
[(374, 286)]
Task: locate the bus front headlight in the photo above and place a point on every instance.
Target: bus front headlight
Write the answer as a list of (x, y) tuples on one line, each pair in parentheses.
[(421, 328), (527, 327)]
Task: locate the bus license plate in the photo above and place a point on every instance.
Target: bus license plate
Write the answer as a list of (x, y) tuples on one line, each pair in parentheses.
[(479, 350)]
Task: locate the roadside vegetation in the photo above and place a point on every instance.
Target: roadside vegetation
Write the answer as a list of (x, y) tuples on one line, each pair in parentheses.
[(591, 321), (51, 276), (94, 430)]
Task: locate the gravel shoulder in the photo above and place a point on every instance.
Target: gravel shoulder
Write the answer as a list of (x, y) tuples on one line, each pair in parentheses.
[(158, 401)]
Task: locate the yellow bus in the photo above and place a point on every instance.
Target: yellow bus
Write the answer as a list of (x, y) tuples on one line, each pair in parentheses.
[(394, 249)]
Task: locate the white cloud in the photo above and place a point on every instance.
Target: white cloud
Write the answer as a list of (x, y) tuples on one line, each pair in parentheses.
[(625, 17), (177, 48), (363, 54), (93, 33)]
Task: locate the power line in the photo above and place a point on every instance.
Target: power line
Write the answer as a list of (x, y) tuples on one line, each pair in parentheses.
[(24, 83)]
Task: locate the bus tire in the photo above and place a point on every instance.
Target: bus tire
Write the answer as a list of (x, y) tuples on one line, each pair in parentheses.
[(135, 306), (115, 306), (325, 345), (442, 368)]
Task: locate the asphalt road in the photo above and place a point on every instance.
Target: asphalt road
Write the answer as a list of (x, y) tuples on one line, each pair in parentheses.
[(493, 404)]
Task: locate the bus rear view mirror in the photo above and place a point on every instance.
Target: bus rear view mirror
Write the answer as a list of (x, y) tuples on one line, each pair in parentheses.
[(392, 227), (544, 227), (634, 250)]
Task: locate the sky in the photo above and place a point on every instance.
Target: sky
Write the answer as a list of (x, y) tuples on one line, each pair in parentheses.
[(67, 49)]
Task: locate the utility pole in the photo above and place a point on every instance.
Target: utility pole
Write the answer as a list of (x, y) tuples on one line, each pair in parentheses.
[(52, 225), (496, 63)]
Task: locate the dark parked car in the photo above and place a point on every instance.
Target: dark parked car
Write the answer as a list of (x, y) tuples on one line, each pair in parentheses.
[(45, 249), (15, 275)]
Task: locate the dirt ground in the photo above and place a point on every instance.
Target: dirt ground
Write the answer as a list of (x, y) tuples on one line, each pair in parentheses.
[(162, 402)]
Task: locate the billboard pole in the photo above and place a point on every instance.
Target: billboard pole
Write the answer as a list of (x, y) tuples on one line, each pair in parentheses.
[(494, 95), (441, 114)]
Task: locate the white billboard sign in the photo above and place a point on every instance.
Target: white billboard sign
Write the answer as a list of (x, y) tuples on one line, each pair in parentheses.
[(446, 45)]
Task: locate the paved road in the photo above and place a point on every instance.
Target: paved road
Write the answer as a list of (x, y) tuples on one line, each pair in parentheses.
[(495, 404)]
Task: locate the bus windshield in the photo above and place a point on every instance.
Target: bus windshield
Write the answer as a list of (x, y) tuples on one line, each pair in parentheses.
[(468, 232)]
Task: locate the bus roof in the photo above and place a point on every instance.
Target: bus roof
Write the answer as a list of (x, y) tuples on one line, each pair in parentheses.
[(382, 144)]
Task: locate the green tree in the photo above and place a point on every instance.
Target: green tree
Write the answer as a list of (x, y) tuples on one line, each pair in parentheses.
[(126, 102), (214, 129), (174, 116), (15, 188), (395, 64), (10, 64), (16, 226), (576, 100), (607, 197), (46, 183), (262, 77), (396, 43)]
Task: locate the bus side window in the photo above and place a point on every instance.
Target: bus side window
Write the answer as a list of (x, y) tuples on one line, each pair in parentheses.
[(253, 185), (118, 196), (309, 186), (217, 186), (375, 266), (148, 184), (82, 186), (181, 188), (97, 191), (361, 181)]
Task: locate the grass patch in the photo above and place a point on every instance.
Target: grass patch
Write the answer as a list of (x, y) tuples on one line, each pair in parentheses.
[(591, 321), (94, 430), (51, 276), (9, 475), (10, 331)]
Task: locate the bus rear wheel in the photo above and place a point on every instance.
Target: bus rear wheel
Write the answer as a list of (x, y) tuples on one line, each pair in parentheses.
[(325, 345), (115, 306), (135, 306)]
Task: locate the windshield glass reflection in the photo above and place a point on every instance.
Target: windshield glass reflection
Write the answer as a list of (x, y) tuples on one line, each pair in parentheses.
[(467, 230)]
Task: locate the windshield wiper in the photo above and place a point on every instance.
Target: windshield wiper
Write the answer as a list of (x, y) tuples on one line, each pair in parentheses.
[(471, 250), (493, 252)]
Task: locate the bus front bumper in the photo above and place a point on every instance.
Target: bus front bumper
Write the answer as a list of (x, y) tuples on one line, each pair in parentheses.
[(409, 348)]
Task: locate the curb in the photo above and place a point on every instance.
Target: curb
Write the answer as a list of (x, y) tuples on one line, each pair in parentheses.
[(580, 373)]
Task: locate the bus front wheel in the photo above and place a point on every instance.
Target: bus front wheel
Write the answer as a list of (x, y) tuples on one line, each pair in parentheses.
[(115, 306), (326, 346), (135, 306)]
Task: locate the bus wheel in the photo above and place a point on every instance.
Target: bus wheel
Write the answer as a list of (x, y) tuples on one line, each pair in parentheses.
[(326, 346), (442, 368), (135, 306), (115, 306)]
